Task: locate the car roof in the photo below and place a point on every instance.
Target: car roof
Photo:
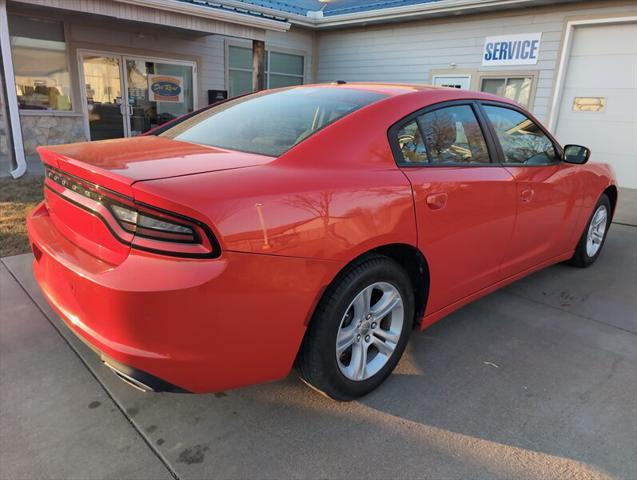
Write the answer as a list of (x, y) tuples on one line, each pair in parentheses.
[(391, 89), (399, 89)]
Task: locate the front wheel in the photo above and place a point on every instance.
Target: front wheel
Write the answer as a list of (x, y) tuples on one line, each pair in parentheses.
[(594, 235), (359, 330)]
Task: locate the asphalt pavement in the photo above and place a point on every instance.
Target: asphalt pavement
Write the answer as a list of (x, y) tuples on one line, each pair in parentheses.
[(538, 380)]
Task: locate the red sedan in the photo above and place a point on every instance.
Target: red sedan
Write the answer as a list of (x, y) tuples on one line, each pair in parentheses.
[(315, 225)]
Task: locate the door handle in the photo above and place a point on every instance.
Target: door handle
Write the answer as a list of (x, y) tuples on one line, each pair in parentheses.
[(437, 201), (527, 195)]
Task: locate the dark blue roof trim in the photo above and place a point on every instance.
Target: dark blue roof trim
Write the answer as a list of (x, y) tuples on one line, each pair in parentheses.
[(354, 6), (302, 7), (333, 7), (297, 7)]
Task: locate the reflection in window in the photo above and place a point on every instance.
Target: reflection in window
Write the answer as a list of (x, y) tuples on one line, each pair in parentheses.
[(522, 140), (517, 89), (281, 70), (146, 112), (40, 63), (411, 144), (453, 135)]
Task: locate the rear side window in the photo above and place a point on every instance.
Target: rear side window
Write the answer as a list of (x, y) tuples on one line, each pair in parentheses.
[(446, 136), (271, 123), (453, 136), (522, 141), (411, 145)]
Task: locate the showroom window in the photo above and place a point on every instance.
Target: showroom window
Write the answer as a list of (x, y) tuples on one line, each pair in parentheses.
[(281, 70), (516, 88), (40, 63)]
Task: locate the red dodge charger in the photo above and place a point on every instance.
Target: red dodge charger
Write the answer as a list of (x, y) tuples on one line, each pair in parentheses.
[(316, 225)]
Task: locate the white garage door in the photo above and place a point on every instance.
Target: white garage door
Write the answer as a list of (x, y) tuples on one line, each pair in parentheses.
[(599, 98)]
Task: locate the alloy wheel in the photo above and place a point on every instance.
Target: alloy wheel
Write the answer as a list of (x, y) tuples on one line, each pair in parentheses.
[(369, 331), (596, 231)]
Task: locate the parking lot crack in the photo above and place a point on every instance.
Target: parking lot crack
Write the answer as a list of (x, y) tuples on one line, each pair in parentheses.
[(562, 309)]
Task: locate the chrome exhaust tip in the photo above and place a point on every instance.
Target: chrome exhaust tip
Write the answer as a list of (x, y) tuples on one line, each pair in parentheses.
[(133, 382), (139, 379)]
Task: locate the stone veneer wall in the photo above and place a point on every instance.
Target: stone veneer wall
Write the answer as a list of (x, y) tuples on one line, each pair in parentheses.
[(50, 130)]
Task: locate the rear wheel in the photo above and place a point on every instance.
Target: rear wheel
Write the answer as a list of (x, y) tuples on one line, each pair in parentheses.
[(594, 235), (359, 330)]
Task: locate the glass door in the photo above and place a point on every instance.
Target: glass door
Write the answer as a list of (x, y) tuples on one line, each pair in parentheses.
[(157, 92), (105, 106), (127, 96)]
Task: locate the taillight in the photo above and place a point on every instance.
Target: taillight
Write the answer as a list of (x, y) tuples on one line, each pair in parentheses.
[(139, 225), (149, 226)]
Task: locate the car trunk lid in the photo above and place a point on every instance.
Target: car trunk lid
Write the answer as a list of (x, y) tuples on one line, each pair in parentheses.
[(82, 177), (118, 163)]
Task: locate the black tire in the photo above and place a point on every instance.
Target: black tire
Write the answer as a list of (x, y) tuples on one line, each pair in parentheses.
[(580, 257), (317, 361)]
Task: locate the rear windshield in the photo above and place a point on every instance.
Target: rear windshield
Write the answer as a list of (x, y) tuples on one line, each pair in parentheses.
[(270, 123)]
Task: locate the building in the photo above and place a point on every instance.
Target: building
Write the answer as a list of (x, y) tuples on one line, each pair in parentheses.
[(76, 70)]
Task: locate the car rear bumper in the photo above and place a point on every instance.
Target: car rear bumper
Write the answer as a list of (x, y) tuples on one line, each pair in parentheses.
[(181, 324)]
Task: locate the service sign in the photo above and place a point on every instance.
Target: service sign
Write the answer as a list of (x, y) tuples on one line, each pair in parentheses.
[(165, 88), (518, 49)]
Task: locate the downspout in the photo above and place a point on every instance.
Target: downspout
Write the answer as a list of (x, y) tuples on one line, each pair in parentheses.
[(11, 95)]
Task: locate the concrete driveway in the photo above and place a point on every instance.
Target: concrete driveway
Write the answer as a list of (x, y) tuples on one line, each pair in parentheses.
[(538, 380)]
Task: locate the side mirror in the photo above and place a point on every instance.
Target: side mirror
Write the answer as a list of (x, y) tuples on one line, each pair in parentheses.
[(576, 154)]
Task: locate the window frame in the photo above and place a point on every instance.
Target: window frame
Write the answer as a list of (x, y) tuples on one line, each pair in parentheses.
[(505, 75), (268, 71), (228, 68), (74, 111), (243, 44), (492, 150), (500, 152)]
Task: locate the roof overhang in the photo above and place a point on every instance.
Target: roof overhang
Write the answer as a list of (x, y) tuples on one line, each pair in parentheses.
[(440, 8), (218, 14)]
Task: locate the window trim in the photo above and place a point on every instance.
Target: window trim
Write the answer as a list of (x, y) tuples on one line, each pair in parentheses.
[(472, 73), (500, 152), (74, 111), (392, 136), (454, 75), (506, 74)]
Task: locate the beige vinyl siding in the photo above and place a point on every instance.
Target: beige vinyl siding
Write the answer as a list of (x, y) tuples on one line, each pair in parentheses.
[(407, 52)]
